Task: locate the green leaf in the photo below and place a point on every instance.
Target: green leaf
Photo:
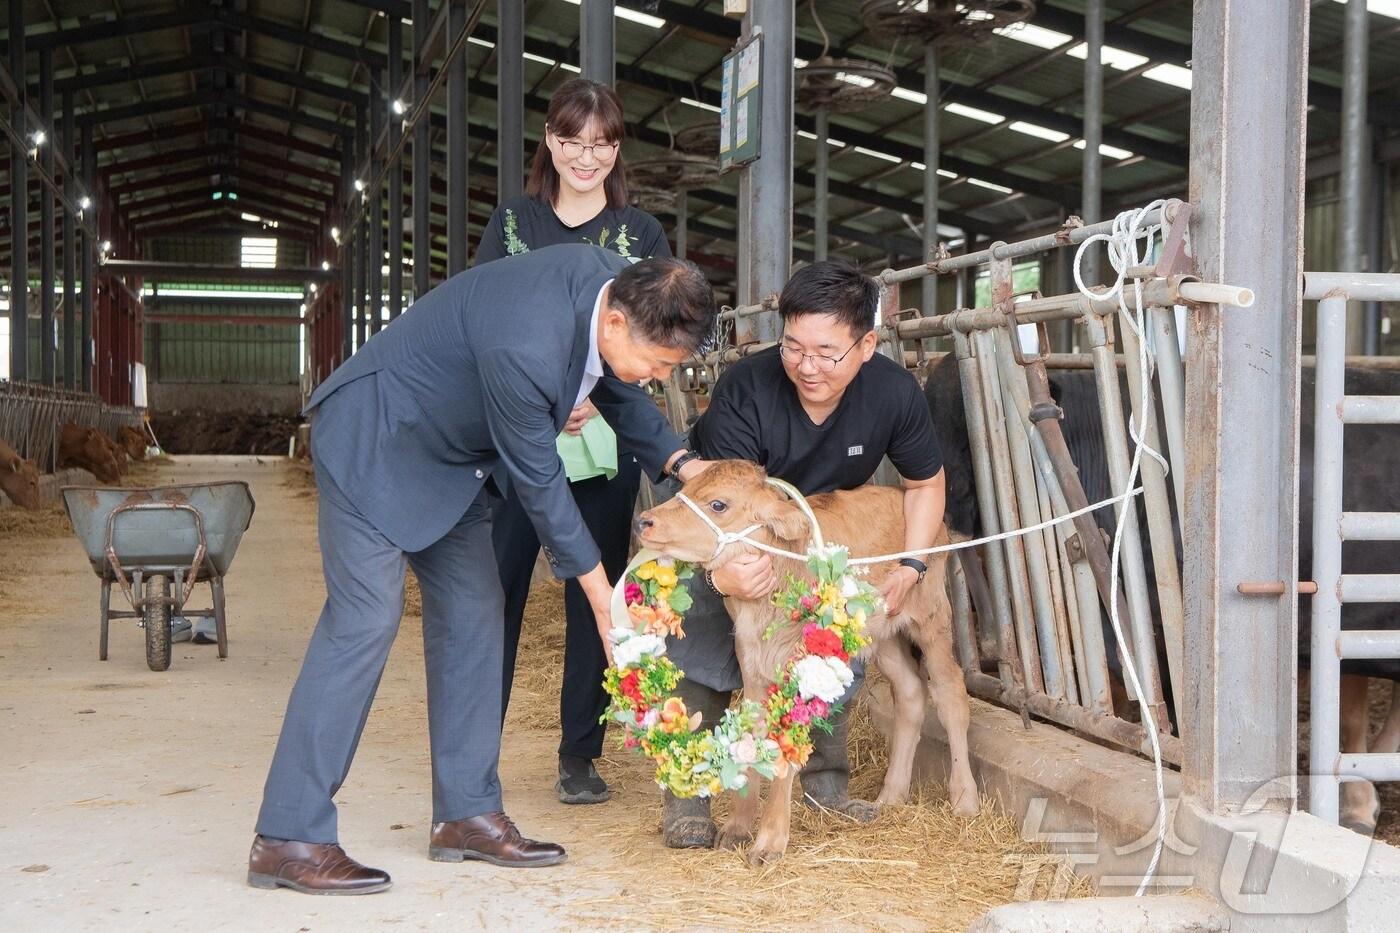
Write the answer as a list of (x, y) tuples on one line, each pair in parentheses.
[(681, 600)]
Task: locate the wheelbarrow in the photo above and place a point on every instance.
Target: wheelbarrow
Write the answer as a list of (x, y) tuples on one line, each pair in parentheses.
[(156, 544)]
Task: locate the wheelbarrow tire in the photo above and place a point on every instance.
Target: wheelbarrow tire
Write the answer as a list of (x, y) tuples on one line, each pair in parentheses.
[(156, 617)]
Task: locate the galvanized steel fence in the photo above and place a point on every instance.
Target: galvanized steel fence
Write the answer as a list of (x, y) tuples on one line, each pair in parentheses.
[(31, 417)]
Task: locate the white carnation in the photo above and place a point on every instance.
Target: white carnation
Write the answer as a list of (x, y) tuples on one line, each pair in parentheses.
[(849, 587), (632, 649), (826, 678)]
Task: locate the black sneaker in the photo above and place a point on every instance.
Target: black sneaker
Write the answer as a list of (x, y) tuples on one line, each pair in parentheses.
[(579, 781)]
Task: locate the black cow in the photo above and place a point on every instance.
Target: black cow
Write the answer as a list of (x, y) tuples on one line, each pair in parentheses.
[(1372, 484)]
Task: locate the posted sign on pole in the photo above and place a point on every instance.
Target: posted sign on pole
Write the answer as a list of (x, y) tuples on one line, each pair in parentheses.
[(739, 109)]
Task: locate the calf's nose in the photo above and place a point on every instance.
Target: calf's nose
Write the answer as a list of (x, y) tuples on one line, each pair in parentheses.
[(643, 524)]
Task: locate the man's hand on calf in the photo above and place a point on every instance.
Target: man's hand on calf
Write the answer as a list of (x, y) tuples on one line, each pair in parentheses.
[(749, 576)]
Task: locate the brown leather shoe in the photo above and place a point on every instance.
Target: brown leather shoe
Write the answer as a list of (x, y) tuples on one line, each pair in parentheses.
[(311, 868), (491, 837)]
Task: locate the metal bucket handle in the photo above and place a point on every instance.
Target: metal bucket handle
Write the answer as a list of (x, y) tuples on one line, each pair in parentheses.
[(149, 507)]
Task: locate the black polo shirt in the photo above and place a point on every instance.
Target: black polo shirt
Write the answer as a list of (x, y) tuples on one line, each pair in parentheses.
[(755, 414)]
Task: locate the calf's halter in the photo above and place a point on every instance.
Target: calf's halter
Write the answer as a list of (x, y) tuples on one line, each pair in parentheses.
[(725, 538)]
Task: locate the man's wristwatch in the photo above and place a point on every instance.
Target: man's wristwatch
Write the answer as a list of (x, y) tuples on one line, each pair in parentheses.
[(675, 471), (917, 566)]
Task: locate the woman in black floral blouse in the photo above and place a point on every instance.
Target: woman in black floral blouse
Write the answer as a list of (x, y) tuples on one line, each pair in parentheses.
[(577, 192)]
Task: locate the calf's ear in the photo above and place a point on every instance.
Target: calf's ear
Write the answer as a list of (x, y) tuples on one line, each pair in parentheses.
[(784, 518)]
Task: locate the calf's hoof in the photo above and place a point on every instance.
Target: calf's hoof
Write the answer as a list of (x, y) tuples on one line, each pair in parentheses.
[(690, 832), (733, 837), (966, 804), (766, 851)]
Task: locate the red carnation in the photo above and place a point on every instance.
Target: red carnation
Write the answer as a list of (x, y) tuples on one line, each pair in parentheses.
[(630, 686), (823, 642)]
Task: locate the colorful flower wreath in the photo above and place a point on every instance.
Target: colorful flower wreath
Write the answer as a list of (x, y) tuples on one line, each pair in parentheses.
[(768, 737)]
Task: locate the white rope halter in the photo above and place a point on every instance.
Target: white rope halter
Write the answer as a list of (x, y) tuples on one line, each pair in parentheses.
[(725, 538)]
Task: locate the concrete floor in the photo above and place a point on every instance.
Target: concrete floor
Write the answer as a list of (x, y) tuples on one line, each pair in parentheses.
[(129, 796)]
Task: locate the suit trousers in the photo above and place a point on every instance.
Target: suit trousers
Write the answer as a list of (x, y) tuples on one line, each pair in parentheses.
[(462, 605), (606, 506)]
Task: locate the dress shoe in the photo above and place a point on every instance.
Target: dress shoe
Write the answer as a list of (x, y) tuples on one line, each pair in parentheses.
[(311, 868), (490, 837)]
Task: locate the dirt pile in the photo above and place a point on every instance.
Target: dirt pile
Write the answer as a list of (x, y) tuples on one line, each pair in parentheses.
[(216, 432)]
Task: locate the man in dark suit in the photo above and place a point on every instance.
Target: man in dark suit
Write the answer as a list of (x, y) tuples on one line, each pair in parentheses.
[(464, 392)]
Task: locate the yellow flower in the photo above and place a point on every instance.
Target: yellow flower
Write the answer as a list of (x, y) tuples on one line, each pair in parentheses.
[(666, 576), (647, 571), (663, 596)]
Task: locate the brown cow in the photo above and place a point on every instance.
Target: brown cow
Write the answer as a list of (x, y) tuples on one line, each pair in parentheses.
[(19, 478), (88, 449), (133, 441), (118, 453), (869, 521)]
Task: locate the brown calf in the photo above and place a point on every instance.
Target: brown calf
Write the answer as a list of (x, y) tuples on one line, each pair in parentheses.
[(132, 441), (19, 478), (869, 521), (88, 449)]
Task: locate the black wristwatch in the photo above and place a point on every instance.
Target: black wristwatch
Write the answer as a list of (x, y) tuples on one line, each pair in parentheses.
[(675, 471), (917, 566)]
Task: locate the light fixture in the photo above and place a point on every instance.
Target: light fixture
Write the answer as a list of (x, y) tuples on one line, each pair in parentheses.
[(325, 265), (359, 185), (398, 107), (106, 246), (313, 284), (85, 203), (39, 137), (335, 234), (303, 307)]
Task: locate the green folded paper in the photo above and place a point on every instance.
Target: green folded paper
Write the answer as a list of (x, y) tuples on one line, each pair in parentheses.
[(591, 452)]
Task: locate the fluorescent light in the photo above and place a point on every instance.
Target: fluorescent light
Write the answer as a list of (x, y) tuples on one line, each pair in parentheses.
[(481, 42), (167, 292), (829, 141), (944, 173), (1174, 75), (251, 217), (1110, 152), (972, 113), (1038, 36), (986, 184), (1113, 57), (857, 80), (1040, 132), (259, 252), (700, 104), (530, 56), (1389, 8), (918, 166), (904, 93), (878, 155), (622, 12)]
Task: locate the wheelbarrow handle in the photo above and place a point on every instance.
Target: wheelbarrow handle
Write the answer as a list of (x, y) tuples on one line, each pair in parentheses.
[(199, 553)]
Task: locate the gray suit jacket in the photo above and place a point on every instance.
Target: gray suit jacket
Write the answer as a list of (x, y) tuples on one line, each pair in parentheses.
[(475, 381)]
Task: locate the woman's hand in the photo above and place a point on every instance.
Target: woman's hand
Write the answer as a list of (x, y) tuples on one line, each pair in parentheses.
[(579, 417)]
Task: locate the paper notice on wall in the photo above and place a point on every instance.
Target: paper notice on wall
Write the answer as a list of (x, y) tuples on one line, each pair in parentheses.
[(742, 132), (726, 106), (748, 69)]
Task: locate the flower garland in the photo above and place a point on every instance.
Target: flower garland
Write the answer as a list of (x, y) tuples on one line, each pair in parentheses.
[(767, 737)]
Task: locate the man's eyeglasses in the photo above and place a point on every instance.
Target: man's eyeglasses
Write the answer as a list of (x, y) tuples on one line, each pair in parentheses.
[(573, 149), (794, 357)]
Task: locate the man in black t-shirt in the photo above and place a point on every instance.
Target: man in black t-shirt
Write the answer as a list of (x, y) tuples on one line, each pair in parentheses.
[(820, 410)]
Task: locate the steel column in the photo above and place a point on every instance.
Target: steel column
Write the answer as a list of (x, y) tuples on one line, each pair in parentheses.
[(362, 163), (70, 255), (91, 237), (374, 202), (682, 222), (19, 207), (422, 159), (765, 186), (1092, 178), (820, 207), (1239, 710), (1352, 208), (510, 99), (46, 243), (395, 170), (348, 239), (931, 91), (457, 195), (596, 40)]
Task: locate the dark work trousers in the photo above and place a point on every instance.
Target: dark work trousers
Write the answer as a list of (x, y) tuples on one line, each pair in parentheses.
[(606, 506)]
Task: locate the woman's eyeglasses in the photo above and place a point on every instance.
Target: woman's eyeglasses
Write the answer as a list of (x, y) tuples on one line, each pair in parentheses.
[(573, 149)]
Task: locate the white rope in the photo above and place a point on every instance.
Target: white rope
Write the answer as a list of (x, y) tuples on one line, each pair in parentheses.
[(727, 537), (1122, 255)]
